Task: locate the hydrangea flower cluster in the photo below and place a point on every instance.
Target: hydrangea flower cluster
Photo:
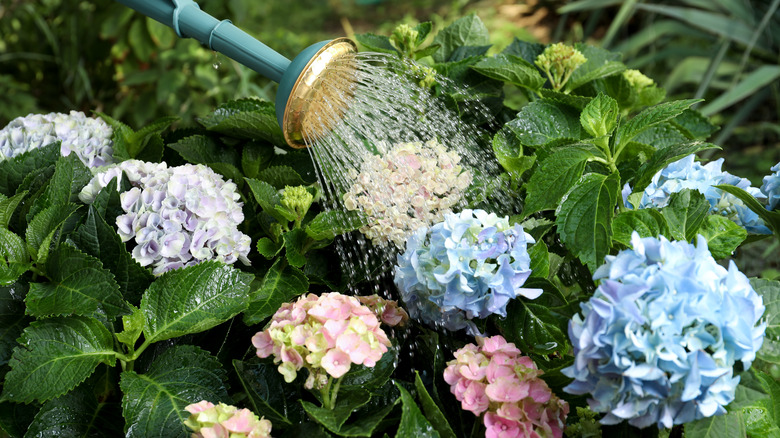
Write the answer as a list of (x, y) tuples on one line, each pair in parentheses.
[(469, 265), (494, 378), (325, 334), (559, 61), (689, 174), (657, 342), (412, 185), (771, 188), (388, 311), (225, 421), (637, 79), (178, 216), (89, 138)]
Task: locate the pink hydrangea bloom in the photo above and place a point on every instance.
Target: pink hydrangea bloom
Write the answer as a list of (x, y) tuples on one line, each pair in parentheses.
[(225, 421), (325, 334), (495, 379)]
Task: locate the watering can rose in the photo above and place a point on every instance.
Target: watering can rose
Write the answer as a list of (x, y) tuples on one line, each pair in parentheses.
[(325, 334)]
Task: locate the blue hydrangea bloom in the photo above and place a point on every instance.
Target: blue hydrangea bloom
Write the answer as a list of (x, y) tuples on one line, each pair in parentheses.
[(469, 265), (689, 174), (771, 188), (657, 342)]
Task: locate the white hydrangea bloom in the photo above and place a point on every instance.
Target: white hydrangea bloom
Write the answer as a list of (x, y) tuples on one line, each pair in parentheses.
[(412, 185), (89, 138), (177, 216)]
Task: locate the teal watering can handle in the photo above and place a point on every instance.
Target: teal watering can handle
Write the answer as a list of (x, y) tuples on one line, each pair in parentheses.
[(188, 20)]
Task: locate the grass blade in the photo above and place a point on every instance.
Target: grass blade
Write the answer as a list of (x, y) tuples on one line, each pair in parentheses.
[(753, 82)]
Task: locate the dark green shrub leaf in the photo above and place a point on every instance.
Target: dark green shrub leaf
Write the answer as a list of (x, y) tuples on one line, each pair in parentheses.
[(759, 422), (662, 158), (14, 259), (723, 235), (540, 259), (694, 125), (153, 402), (554, 177), (8, 206), (659, 136), (650, 117), (769, 290), (329, 224), (12, 319), (281, 176), (524, 49), (193, 299), (15, 418), (201, 149), (413, 422), (375, 43), (532, 326), (584, 218), (731, 425), (467, 52), (70, 175), (542, 122), (685, 214), (334, 419), (294, 245), (55, 355), (79, 285), (77, 413), (600, 63), (599, 118), (267, 197), (280, 285), (254, 157), (509, 153), (15, 170), (248, 118), (371, 378), (465, 31), (646, 222), (511, 69), (269, 394), (133, 325), (431, 410), (43, 228), (268, 248)]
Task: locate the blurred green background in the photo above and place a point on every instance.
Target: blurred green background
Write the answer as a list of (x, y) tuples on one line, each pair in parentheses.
[(98, 55)]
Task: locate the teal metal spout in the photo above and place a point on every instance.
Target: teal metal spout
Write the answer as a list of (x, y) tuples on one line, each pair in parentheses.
[(293, 98)]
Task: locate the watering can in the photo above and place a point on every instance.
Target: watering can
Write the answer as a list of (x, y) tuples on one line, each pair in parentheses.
[(297, 78)]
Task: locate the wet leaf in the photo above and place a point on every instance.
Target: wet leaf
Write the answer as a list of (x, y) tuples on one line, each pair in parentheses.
[(268, 393), (723, 235), (413, 422), (543, 121), (282, 283), (14, 171), (44, 226), (556, 175), (685, 214)]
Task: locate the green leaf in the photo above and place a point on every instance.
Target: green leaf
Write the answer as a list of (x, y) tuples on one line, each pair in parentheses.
[(431, 410), (255, 156), (8, 206), (646, 222), (759, 423), (12, 318), (133, 325), (658, 137), (600, 63), (70, 176), (193, 299), (76, 414), (771, 387), (524, 49), (294, 242), (153, 403), (15, 418), (280, 285), (413, 422), (769, 290), (650, 117), (599, 118), (246, 118), (331, 223), (540, 259), (685, 214), (723, 235), (509, 153), (556, 175), (465, 31), (280, 177), (662, 158), (143, 139), (694, 125), (334, 419), (100, 240), (55, 355), (43, 227), (201, 149), (375, 43), (771, 218), (371, 378), (79, 285), (584, 218), (731, 425), (14, 259), (532, 326), (468, 52), (267, 197), (268, 393), (14, 171), (268, 248), (512, 69), (543, 121)]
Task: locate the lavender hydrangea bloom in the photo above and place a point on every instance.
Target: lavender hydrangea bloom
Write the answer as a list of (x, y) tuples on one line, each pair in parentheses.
[(689, 174), (657, 342), (89, 138), (470, 265), (178, 216), (771, 188)]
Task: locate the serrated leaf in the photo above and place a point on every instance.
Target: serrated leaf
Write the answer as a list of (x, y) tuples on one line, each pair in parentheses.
[(468, 52), (577, 102), (15, 170), (694, 125), (371, 378), (659, 136), (144, 138), (431, 410), (584, 218), (249, 119), (334, 419), (280, 285), (723, 235), (769, 290), (267, 197), (153, 402), (509, 153), (76, 414), (662, 158), (555, 176), (79, 285), (465, 31), (193, 299), (375, 43), (413, 422), (55, 355), (70, 176), (600, 63), (14, 259), (268, 248), (685, 214), (599, 118), (331, 223), (8, 206), (201, 149), (120, 138), (731, 425), (255, 156), (43, 227), (771, 387), (100, 240), (133, 326), (294, 242), (650, 117), (543, 121), (532, 326), (646, 222), (524, 49), (268, 393), (280, 177), (12, 318), (511, 69), (759, 423), (540, 259), (771, 218)]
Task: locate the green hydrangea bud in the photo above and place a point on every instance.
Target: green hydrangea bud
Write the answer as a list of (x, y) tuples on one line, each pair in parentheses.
[(637, 79), (297, 199), (404, 38), (426, 76), (559, 61)]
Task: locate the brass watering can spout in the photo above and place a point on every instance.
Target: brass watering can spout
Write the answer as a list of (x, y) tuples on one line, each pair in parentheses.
[(300, 93)]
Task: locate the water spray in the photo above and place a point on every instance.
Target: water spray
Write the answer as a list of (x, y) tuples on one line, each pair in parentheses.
[(300, 94)]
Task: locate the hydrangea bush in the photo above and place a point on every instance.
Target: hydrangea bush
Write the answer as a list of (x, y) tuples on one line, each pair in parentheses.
[(601, 270)]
